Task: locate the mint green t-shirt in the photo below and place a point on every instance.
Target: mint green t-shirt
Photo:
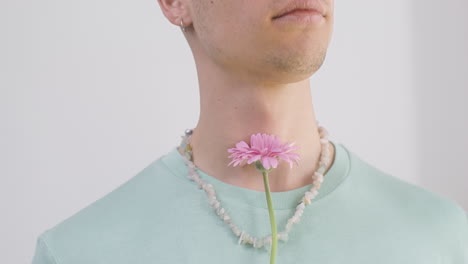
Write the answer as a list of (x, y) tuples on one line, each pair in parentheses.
[(361, 215)]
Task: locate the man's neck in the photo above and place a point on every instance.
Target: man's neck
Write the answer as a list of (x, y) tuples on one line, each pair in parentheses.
[(231, 115)]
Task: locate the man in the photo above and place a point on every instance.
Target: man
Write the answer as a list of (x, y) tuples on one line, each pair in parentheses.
[(254, 59)]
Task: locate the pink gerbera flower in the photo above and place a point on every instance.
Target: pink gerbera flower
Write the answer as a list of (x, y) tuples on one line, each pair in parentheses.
[(265, 148)]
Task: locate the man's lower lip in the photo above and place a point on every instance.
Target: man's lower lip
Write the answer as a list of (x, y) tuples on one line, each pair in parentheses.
[(301, 16)]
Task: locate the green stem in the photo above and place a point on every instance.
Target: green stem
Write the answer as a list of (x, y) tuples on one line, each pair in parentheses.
[(272, 218)]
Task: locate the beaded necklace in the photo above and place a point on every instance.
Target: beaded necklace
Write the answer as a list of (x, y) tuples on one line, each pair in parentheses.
[(185, 149)]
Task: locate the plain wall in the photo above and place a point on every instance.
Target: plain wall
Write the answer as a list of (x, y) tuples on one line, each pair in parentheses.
[(91, 92)]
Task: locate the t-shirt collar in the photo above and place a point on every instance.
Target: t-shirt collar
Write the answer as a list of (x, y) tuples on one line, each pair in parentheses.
[(335, 175)]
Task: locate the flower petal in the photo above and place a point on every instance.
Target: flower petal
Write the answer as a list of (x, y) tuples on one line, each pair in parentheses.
[(266, 162), (273, 162), (266, 148), (242, 145)]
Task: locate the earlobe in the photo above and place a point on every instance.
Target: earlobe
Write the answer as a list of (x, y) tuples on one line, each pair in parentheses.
[(175, 11)]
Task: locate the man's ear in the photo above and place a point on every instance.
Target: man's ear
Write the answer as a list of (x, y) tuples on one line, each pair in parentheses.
[(176, 11)]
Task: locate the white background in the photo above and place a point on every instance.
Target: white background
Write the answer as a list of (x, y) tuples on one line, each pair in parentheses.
[(91, 92)]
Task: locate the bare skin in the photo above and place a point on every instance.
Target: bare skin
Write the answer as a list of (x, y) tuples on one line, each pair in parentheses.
[(253, 77)]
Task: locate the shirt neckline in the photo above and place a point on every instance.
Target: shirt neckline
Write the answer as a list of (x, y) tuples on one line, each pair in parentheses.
[(335, 175)]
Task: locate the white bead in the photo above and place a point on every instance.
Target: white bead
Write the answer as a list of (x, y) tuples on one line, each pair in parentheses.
[(245, 240), (212, 202), (321, 169), (317, 177), (300, 206), (295, 219), (284, 236), (260, 242), (299, 212), (314, 192), (255, 243), (240, 238), (220, 211), (211, 196)]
